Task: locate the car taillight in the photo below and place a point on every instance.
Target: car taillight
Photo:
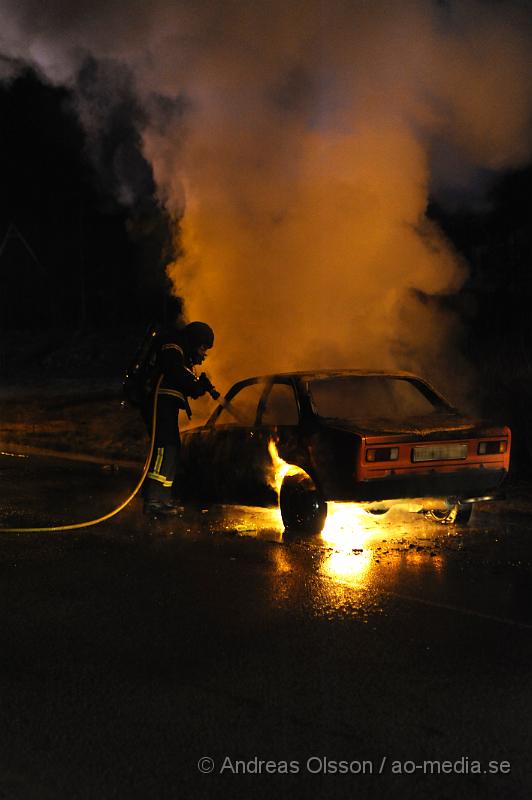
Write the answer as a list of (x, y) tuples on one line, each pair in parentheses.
[(492, 448), (382, 454)]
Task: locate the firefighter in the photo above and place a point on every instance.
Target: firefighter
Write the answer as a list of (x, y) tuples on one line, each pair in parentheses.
[(178, 352)]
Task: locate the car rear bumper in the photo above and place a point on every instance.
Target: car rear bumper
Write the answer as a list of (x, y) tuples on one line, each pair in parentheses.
[(463, 483)]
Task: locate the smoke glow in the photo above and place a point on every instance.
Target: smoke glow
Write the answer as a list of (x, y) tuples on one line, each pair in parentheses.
[(294, 148)]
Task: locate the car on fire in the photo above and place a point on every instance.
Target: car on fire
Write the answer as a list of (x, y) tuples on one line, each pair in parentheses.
[(301, 439)]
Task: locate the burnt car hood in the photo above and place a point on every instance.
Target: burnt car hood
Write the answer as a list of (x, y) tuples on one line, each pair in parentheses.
[(437, 426)]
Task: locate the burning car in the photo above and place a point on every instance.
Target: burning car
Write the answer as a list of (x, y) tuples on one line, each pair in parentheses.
[(376, 438)]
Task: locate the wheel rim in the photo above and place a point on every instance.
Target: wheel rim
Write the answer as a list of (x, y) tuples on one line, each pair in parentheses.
[(445, 516)]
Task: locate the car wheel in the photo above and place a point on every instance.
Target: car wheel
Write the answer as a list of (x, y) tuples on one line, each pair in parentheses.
[(302, 505), (448, 516)]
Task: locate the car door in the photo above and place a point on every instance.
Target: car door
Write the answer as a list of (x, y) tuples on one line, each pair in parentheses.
[(248, 475), (223, 451), (280, 419)]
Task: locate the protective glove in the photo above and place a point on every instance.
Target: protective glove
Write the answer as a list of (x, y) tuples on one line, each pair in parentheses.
[(207, 386)]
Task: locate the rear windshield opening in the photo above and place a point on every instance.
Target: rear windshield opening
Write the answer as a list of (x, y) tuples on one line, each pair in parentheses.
[(372, 397)]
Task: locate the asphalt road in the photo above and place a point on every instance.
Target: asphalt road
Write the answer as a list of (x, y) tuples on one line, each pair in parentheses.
[(388, 657)]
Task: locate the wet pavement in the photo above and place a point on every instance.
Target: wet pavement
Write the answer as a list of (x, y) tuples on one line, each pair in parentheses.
[(386, 657)]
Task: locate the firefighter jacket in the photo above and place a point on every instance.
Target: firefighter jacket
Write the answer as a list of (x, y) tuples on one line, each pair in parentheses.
[(175, 365)]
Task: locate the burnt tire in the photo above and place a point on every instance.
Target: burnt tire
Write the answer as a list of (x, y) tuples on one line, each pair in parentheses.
[(303, 508), (460, 514)]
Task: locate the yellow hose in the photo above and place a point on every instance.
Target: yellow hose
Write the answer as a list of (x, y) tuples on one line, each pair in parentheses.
[(115, 511)]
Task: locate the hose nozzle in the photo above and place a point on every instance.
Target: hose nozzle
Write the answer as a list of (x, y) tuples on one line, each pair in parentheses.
[(207, 385)]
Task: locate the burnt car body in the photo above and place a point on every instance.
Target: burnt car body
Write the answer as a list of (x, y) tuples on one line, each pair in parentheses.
[(356, 436)]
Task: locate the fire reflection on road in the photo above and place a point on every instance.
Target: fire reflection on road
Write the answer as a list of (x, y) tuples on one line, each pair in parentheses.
[(359, 559), (354, 543), (348, 530), (352, 538)]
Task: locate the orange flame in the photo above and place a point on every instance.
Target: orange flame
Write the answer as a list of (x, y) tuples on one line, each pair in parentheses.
[(280, 468)]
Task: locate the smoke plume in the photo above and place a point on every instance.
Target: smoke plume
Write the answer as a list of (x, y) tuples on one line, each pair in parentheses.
[(293, 144)]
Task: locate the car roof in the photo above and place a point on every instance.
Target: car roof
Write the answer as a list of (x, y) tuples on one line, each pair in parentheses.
[(320, 374), (323, 374)]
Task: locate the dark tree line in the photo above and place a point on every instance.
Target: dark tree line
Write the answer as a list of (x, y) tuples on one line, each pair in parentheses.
[(72, 256)]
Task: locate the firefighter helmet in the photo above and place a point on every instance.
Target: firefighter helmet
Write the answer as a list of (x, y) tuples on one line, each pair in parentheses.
[(198, 334)]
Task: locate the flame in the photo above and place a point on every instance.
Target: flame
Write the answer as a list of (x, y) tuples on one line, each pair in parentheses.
[(347, 526), (280, 468)]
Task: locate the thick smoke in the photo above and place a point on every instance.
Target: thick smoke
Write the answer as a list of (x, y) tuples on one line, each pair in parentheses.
[(293, 143)]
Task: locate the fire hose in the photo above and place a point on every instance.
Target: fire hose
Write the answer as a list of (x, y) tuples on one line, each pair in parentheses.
[(89, 523)]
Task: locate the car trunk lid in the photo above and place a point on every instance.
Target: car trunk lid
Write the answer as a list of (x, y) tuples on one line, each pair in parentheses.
[(434, 427)]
